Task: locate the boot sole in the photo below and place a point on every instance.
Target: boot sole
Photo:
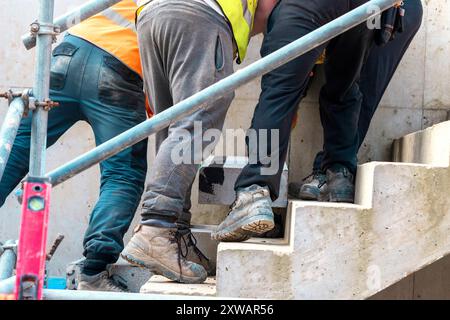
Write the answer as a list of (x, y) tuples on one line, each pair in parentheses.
[(162, 270), (308, 196), (241, 230)]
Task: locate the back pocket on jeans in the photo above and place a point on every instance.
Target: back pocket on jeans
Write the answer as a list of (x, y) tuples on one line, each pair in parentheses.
[(61, 58), (120, 86)]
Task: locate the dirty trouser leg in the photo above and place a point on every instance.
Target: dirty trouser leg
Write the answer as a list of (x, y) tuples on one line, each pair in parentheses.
[(379, 69), (177, 66), (282, 89), (112, 101), (340, 98), (184, 220)]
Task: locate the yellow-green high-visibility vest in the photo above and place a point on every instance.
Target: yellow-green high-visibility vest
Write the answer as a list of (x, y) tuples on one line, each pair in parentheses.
[(241, 15)]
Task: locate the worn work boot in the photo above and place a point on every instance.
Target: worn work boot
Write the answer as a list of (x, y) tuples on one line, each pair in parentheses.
[(310, 187), (100, 282), (160, 250), (194, 254), (340, 185), (250, 214)]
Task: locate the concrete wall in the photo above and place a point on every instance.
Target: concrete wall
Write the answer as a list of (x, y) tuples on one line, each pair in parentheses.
[(418, 97)]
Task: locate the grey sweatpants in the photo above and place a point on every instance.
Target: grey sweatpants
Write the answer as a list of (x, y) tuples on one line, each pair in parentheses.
[(185, 47)]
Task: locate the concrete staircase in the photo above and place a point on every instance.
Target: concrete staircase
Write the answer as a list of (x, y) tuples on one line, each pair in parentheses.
[(399, 225)]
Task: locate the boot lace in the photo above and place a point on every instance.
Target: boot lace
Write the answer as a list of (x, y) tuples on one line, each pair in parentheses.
[(192, 242), (177, 237), (316, 174), (242, 197)]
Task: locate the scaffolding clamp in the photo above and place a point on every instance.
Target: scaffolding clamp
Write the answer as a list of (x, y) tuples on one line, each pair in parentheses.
[(38, 28), (47, 104), (29, 101)]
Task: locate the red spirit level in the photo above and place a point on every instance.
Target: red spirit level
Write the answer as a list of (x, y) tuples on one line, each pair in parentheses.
[(31, 250)]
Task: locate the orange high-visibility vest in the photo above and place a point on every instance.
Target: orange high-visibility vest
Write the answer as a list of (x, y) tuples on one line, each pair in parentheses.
[(114, 31)]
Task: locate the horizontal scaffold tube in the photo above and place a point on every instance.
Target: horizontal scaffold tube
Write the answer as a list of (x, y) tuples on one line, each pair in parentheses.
[(217, 90), (72, 18)]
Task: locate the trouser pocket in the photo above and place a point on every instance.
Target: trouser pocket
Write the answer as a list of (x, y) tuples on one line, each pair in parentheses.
[(61, 58), (120, 86)]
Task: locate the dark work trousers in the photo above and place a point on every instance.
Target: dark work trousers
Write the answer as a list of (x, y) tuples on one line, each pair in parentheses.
[(93, 86), (379, 69), (283, 88)]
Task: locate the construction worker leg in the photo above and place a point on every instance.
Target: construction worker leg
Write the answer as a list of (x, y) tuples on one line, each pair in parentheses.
[(172, 59), (282, 89), (382, 64), (379, 69), (113, 102), (340, 97)]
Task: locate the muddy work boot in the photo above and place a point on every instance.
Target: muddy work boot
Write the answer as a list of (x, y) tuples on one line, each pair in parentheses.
[(340, 185), (310, 187), (100, 282), (194, 254), (250, 214), (161, 251)]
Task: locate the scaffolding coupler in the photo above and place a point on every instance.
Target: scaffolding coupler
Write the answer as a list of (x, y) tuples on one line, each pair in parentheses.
[(37, 28)]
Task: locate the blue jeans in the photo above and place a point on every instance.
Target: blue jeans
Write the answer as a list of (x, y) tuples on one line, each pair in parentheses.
[(93, 86)]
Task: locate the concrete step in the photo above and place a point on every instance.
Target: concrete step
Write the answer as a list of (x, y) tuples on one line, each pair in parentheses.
[(218, 175), (162, 285), (399, 224)]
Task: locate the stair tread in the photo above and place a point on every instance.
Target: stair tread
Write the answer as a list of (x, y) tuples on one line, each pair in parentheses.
[(162, 285)]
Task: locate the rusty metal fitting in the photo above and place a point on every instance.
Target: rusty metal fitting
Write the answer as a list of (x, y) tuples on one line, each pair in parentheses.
[(10, 95), (42, 28), (47, 104), (34, 28)]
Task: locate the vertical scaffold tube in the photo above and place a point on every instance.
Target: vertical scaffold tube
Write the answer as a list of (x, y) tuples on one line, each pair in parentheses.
[(8, 131), (41, 87)]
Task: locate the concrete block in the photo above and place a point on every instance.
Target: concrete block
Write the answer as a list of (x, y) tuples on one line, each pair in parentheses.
[(399, 225), (430, 146), (161, 285), (217, 177)]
